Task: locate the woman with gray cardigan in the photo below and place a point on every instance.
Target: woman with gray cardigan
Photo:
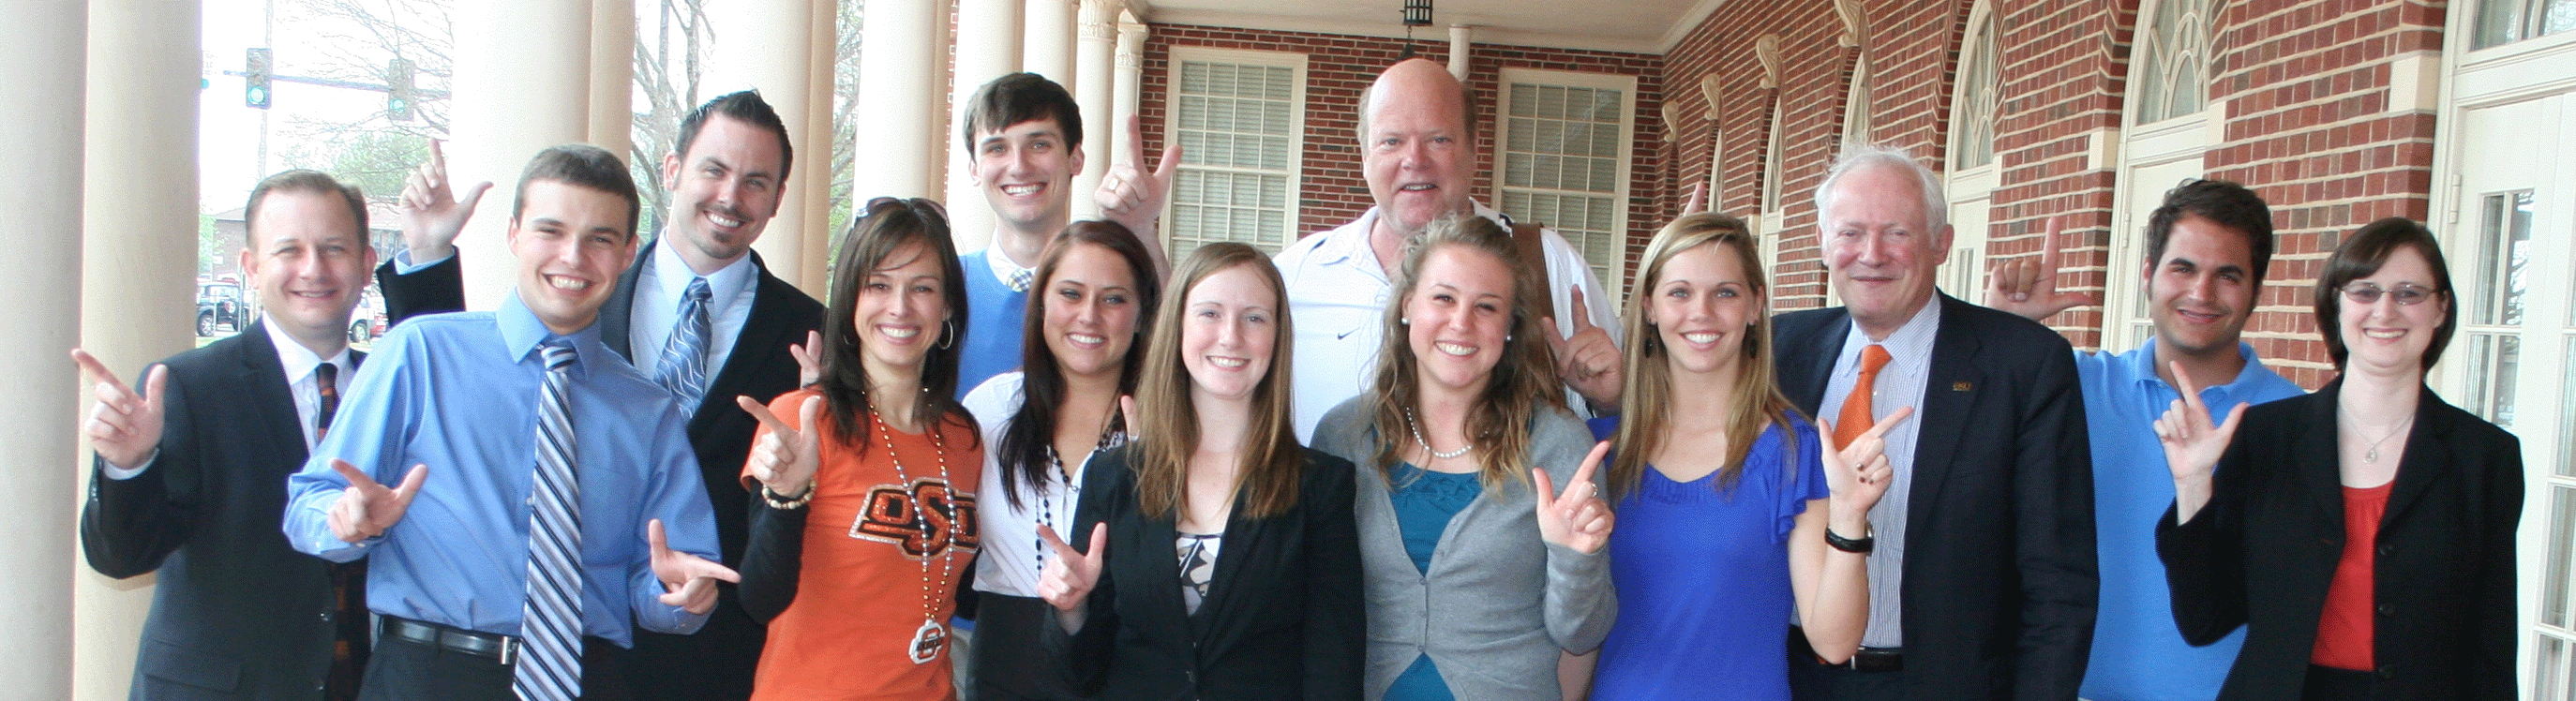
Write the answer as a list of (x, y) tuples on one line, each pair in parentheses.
[(1481, 529)]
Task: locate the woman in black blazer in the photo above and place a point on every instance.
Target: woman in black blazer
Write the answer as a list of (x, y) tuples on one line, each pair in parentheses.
[(2416, 603), (1223, 558)]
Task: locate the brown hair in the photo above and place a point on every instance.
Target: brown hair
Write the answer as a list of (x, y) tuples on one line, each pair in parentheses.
[(1647, 398), (1272, 461), (1022, 451), (886, 225), (2360, 256), (1522, 383), (301, 180)]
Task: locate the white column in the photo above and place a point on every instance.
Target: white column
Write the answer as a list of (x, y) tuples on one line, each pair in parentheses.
[(1461, 47), (1131, 82), (140, 184), (612, 76), (1049, 37), (40, 98), (1094, 54), (818, 146), (902, 70), (988, 47), (768, 45), (522, 84)]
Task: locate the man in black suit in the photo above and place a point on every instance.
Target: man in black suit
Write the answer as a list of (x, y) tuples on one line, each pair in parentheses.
[(1982, 577), (185, 475), (698, 312)]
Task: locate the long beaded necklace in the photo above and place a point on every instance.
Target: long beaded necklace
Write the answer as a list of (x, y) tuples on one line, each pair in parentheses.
[(931, 638), (1426, 445), (1113, 433)]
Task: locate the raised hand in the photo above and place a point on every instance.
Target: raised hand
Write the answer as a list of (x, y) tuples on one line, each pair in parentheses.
[(1588, 361), (1577, 519), (785, 459), (1858, 474), (809, 359), (2027, 286), (2192, 444), (432, 215), (688, 581), (366, 508), (1132, 197), (124, 428), (1697, 200), (1070, 577)]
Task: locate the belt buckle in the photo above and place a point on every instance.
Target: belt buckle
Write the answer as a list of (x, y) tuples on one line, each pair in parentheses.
[(509, 649)]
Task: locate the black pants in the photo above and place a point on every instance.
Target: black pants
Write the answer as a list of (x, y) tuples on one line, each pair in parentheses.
[(403, 670), (1812, 680), (1011, 661)]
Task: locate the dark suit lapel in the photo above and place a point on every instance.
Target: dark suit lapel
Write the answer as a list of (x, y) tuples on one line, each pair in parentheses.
[(2427, 456), (765, 336), (1243, 539), (1812, 368), (262, 380), (619, 313), (2313, 452), (1950, 388)]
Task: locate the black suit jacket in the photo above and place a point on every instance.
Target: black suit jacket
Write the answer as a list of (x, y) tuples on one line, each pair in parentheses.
[(1283, 619), (1999, 577), (717, 661), (238, 614), (2263, 552)]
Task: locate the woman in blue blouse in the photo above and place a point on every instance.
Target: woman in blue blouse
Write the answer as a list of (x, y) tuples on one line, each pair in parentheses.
[(1480, 537), (1735, 513)]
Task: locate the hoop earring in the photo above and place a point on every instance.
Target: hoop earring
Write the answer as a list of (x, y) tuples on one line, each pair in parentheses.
[(947, 334)]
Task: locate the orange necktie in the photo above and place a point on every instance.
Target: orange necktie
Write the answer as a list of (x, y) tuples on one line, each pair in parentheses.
[(1856, 418)]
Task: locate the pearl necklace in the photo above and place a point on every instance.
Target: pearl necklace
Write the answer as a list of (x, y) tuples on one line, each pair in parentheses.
[(931, 638), (1426, 445)]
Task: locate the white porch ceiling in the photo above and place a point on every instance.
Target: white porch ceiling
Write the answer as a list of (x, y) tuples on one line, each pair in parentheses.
[(1635, 26)]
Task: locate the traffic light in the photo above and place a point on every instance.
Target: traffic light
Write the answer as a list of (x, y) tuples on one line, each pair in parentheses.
[(255, 80), (398, 90)]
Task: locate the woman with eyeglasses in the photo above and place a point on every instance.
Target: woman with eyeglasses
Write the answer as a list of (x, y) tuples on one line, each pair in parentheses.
[(1481, 526), (1095, 289), (1220, 557), (863, 505), (2362, 535)]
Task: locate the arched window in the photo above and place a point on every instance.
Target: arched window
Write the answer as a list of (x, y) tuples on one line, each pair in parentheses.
[(1980, 98), (2172, 79)]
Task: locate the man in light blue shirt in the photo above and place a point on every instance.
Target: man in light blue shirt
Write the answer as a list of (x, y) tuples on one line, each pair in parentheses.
[(458, 395), (2207, 248)]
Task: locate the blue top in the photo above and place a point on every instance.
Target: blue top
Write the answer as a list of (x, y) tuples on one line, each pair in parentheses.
[(1425, 502), (1703, 577), (458, 393), (993, 325), (2138, 654)]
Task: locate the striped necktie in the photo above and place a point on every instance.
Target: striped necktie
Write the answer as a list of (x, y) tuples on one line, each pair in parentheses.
[(350, 624), (683, 368), (549, 667)]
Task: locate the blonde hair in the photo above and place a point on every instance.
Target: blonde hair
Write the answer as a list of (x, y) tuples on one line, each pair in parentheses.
[(1647, 396), (1522, 382), (1272, 462)]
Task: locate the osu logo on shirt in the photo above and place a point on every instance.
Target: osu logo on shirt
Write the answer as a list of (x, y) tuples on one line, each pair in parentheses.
[(945, 520)]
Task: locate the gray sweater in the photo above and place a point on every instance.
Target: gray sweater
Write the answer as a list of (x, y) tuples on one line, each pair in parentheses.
[(1499, 602)]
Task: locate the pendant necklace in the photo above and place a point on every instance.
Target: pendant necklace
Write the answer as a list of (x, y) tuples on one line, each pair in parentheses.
[(931, 639)]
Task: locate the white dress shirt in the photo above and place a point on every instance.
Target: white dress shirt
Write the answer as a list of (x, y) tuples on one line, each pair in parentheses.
[(1012, 556), (1337, 297), (658, 289), (1899, 384)]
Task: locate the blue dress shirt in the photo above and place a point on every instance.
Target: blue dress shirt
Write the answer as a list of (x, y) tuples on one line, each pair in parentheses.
[(458, 392), (2138, 654)]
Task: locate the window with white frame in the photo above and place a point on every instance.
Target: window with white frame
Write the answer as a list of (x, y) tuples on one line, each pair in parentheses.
[(1972, 173), (1566, 148), (2503, 22), (2173, 61), (1239, 118)]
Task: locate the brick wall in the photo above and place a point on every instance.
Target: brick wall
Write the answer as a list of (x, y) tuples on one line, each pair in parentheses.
[(1340, 66)]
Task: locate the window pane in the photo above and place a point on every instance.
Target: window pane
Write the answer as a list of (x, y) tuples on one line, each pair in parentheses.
[(2567, 417), (2504, 249), (2549, 669), (1237, 129), (2496, 359), (2562, 530)]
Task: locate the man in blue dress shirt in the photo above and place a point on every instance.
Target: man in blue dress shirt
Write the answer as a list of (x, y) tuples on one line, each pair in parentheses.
[(458, 395), (2207, 247)]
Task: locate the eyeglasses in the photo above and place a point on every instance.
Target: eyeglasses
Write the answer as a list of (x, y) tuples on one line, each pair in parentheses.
[(2367, 293), (927, 209)]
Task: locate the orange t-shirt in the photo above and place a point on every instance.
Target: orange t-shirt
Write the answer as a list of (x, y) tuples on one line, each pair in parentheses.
[(870, 561), (2344, 631)]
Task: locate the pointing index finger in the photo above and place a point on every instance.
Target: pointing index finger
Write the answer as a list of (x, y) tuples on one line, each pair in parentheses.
[(1062, 551), (1582, 314), (97, 370), (2190, 392), (2052, 255), (762, 414)]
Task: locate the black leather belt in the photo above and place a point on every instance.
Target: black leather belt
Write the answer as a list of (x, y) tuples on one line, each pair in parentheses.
[(491, 645), (1876, 659)]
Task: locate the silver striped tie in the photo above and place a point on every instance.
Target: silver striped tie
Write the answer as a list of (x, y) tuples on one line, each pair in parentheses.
[(549, 665), (683, 367)]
